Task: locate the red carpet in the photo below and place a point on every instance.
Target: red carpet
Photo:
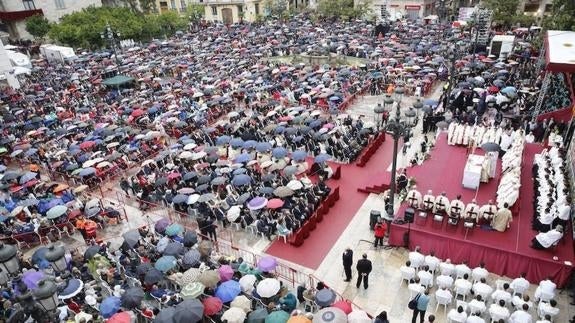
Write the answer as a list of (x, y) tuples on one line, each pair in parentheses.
[(321, 240), (504, 253)]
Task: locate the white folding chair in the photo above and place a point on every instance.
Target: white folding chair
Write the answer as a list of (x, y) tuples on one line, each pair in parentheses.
[(284, 236), (445, 301), (407, 277), (463, 292)]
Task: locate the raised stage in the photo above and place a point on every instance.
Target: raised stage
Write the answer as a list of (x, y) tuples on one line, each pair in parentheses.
[(507, 253)]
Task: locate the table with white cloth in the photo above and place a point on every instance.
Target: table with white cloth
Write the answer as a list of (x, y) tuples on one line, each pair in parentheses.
[(473, 170)]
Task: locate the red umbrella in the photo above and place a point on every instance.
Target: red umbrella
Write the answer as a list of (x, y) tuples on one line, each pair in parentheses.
[(343, 305), (122, 317), (138, 112), (174, 175), (15, 189), (493, 89), (212, 305), (87, 144), (31, 183), (275, 204)]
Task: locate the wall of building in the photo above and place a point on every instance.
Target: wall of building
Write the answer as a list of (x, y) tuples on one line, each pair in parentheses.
[(250, 10), (403, 8), (54, 13)]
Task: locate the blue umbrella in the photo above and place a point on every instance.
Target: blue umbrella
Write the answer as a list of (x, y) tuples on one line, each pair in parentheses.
[(430, 102), (2, 168), (110, 306), (250, 144), (315, 123), (334, 98), (240, 170), (87, 171), (180, 198), (73, 287), (53, 202), (279, 152), (165, 263), (30, 152), (39, 258), (236, 142), (322, 158), (241, 179), (28, 176), (299, 155), (263, 147), (243, 158), (280, 129), (228, 290), (174, 229), (223, 140)]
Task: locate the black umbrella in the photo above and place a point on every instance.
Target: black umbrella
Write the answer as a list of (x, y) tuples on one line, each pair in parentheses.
[(166, 315), (161, 181), (490, 146), (132, 297), (91, 252), (243, 198), (131, 237), (153, 276), (190, 310), (190, 239), (143, 268), (204, 179)]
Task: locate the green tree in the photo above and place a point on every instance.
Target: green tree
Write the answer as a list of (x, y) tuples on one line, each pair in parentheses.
[(562, 16), (343, 9), (38, 26), (195, 12), (277, 8), (504, 11), (169, 22)]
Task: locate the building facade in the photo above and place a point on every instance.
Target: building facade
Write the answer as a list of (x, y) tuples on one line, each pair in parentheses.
[(13, 13), (403, 9)]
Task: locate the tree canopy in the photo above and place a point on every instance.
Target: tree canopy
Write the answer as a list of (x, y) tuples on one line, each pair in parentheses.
[(84, 28), (343, 9), (38, 26), (562, 16), (504, 12)]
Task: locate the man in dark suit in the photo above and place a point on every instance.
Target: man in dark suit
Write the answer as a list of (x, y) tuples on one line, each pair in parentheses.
[(363, 269), (347, 258)]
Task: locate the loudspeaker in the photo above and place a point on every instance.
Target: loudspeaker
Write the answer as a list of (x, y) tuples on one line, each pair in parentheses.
[(409, 215), (374, 215)]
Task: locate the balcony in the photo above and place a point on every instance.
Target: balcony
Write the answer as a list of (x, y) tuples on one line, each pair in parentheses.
[(19, 15), (222, 2)]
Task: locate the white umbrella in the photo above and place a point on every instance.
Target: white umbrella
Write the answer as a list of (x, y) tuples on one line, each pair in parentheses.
[(242, 302), (190, 146), (234, 213), (358, 316), (247, 283), (234, 315), (147, 162), (295, 185), (186, 155), (193, 199), (199, 155), (268, 287)]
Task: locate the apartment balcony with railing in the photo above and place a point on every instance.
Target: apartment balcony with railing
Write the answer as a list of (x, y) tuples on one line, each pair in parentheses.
[(18, 10)]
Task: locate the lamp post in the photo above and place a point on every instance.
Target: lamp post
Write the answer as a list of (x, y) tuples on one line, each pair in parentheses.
[(110, 36), (453, 52), (8, 261), (56, 256), (379, 110), (47, 295), (397, 128)]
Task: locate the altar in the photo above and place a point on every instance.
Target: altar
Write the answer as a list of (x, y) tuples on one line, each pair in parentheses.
[(475, 167)]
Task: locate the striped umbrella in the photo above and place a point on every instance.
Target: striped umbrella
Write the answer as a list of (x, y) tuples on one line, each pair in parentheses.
[(189, 276), (193, 290)]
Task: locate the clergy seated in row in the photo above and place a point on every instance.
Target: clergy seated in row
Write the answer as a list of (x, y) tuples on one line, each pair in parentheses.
[(428, 201), (414, 198), (553, 216), (486, 212), (545, 240), (441, 203), (471, 212), (455, 209)]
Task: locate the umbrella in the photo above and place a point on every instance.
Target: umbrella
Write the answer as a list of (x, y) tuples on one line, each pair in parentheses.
[(189, 311), (226, 273), (39, 256), (247, 283), (153, 276), (8, 176), (228, 290), (173, 249), (132, 237), (110, 306), (267, 264), (212, 305), (343, 305), (161, 225), (234, 315), (266, 190), (56, 211), (299, 155), (358, 316), (268, 287), (277, 317), (263, 147), (73, 288), (191, 258), (205, 248), (143, 268), (87, 171), (122, 317), (193, 199), (290, 170), (241, 179), (91, 252), (180, 198), (279, 152), (325, 297), (283, 191), (31, 278), (174, 229), (321, 158), (234, 213), (206, 197), (257, 203), (189, 276), (220, 180), (166, 315), (243, 198), (242, 302), (132, 297), (490, 146), (190, 239), (275, 204), (243, 158), (166, 263), (298, 319), (295, 185), (330, 315), (258, 316), (28, 176), (163, 243), (192, 290), (223, 140), (209, 278)]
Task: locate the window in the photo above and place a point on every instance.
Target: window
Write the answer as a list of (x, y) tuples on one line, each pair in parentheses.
[(240, 9), (29, 5), (214, 11), (60, 4), (257, 8), (163, 5), (183, 5), (173, 4)]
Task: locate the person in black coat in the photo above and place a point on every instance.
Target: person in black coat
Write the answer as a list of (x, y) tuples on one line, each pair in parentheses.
[(363, 269), (347, 259)]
